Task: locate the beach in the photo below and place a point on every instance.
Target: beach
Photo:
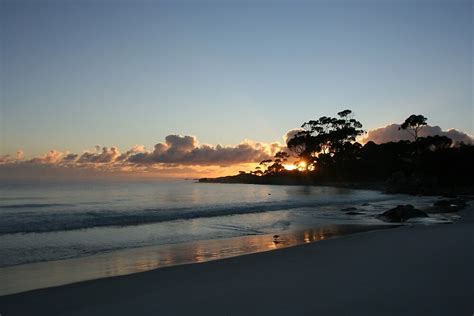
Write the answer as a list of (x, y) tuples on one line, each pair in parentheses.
[(236, 158), (411, 270)]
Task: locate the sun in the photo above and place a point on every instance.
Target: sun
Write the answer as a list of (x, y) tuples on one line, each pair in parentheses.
[(301, 166)]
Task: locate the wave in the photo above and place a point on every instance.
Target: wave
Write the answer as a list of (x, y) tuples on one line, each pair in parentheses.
[(10, 198), (34, 205), (64, 221)]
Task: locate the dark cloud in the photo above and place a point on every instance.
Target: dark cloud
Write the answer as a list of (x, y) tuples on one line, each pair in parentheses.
[(391, 133), (136, 149), (70, 158), (107, 155)]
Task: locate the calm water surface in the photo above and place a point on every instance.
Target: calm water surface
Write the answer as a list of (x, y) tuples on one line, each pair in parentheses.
[(165, 223)]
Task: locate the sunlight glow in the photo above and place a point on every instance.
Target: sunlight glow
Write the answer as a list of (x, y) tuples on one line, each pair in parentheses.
[(301, 166)]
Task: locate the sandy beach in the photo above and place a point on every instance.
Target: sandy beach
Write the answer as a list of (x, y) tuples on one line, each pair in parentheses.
[(418, 270)]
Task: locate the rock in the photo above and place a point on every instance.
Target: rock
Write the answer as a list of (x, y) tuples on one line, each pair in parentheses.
[(447, 206), (401, 213), (451, 202)]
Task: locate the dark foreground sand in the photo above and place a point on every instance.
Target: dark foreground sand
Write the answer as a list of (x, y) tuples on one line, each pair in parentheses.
[(402, 271)]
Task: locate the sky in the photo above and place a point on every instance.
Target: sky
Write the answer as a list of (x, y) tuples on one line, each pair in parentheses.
[(76, 74)]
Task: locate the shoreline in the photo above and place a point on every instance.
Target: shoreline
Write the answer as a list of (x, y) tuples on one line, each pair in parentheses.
[(415, 188), (33, 276), (412, 270), (364, 217)]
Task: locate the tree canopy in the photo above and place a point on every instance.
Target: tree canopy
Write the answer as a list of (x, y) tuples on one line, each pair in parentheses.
[(326, 139), (413, 124)]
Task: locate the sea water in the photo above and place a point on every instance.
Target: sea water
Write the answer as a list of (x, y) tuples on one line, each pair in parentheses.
[(45, 225)]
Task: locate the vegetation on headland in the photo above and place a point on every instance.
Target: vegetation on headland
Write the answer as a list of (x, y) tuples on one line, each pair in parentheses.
[(325, 152)]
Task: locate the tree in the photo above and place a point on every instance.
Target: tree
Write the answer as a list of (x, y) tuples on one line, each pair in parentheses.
[(265, 162), (257, 173), (413, 124), (434, 143), (326, 139), (280, 158)]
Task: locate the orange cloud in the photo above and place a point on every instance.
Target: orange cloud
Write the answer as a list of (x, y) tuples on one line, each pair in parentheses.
[(178, 156), (185, 150)]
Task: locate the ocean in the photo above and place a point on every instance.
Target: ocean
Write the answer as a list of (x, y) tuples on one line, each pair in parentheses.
[(144, 225)]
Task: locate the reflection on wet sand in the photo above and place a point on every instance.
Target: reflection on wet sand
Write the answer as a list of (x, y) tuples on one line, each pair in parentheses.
[(46, 274)]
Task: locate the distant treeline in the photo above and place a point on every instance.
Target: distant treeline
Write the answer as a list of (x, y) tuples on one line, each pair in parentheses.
[(326, 152)]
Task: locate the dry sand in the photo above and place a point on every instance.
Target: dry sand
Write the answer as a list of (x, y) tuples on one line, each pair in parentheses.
[(422, 270)]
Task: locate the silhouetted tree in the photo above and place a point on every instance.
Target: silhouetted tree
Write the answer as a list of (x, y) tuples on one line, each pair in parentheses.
[(326, 139), (413, 124), (329, 144), (257, 172), (281, 157), (277, 166), (264, 163), (434, 143)]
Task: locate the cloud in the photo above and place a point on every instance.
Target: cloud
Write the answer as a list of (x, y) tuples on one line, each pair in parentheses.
[(391, 133), (134, 150), (107, 155), (176, 156), (51, 157), (291, 133), (20, 154), (70, 158), (4, 159), (185, 150)]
